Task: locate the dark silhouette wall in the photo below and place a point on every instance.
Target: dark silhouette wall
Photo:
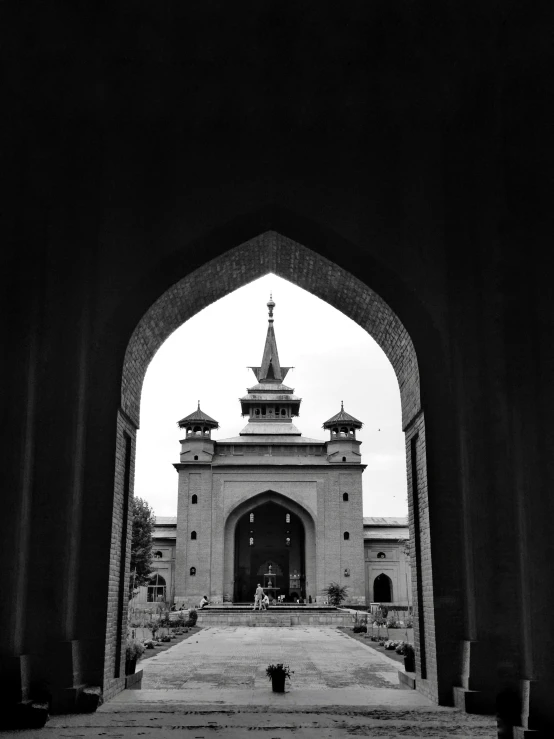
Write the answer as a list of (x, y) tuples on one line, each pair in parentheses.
[(408, 144)]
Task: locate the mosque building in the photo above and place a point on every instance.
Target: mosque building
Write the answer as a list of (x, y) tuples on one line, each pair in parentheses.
[(273, 500)]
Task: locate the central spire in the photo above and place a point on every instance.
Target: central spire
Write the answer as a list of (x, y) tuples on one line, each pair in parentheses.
[(270, 369)]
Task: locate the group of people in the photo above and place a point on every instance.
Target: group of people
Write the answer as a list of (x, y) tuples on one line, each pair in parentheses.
[(261, 599)]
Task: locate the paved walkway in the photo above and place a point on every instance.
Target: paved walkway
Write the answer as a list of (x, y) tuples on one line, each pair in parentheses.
[(214, 685), (222, 659)]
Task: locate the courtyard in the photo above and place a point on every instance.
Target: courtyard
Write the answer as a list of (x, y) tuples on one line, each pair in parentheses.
[(230, 663), (214, 684)]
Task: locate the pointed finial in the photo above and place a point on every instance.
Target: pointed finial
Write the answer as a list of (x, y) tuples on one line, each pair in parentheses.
[(341, 405), (271, 306), (198, 405)]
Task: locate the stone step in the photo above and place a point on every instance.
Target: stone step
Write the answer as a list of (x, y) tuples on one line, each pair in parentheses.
[(273, 618)]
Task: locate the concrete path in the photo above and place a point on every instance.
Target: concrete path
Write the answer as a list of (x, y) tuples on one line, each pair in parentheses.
[(229, 664), (214, 685)]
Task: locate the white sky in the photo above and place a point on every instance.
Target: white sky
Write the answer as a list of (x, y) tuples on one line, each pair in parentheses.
[(334, 359)]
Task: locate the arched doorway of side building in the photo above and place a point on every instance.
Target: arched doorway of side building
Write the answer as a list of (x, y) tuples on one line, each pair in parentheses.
[(382, 589)]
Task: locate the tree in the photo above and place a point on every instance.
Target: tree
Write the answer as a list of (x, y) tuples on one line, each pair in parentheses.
[(336, 593), (144, 521)]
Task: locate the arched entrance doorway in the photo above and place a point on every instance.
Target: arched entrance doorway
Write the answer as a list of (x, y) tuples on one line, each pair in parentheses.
[(382, 589), (271, 252), (269, 534)]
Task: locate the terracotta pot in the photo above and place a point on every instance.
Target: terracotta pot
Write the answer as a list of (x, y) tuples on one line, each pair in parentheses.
[(278, 682), (130, 665)]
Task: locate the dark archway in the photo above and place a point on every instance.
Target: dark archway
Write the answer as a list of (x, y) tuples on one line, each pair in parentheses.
[(273, 252), (270, 538), (282, 505), (382, 589)]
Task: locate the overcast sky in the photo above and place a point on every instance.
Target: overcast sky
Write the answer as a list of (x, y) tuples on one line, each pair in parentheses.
[(206, 359)]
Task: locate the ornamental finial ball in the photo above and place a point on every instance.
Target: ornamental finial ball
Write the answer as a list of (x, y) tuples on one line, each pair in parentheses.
[(271, 305)]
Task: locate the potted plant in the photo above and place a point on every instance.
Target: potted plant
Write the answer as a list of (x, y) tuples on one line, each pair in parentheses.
[(133, 652), (277, 674), (409, 658)]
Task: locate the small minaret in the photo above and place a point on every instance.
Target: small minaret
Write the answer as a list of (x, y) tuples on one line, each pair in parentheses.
[(197, 446), (343, 445)]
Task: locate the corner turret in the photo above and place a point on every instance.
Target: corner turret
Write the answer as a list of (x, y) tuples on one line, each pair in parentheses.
[(343, 445), (198, 445)]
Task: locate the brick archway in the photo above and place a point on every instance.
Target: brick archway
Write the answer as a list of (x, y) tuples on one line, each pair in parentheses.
[(243, 507), (272, 252)]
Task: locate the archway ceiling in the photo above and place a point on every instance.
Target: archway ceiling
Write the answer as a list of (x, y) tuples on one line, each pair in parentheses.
[(270, 252)]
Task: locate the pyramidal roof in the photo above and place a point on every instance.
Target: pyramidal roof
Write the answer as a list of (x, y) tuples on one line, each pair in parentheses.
[(200, 417), (343, 417), (270, 369)]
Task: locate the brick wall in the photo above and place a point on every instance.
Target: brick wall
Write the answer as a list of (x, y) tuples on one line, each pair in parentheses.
[(116, 625), (420, 543)]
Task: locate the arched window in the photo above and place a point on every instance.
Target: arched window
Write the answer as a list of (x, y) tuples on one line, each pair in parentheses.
[(381, 555), (344, 459), (197, 431), (157, 555), (196, 457), (156, 589), (283, 411), (345, 497), (287, 518), (382, 589), (343, 431), (251, 518), (346, 535), (257, 411), (192, 571), (194, 499), (251, 541), (193, 535)]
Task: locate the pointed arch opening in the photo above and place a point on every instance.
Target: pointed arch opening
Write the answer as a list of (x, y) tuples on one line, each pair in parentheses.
[(382, 589), (272, 252), (284, 534)]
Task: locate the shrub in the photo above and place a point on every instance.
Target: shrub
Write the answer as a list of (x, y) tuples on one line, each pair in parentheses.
[(134, 649), (359, 629), (393, 624), (336, 593), (192, 619), (409, 623)]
